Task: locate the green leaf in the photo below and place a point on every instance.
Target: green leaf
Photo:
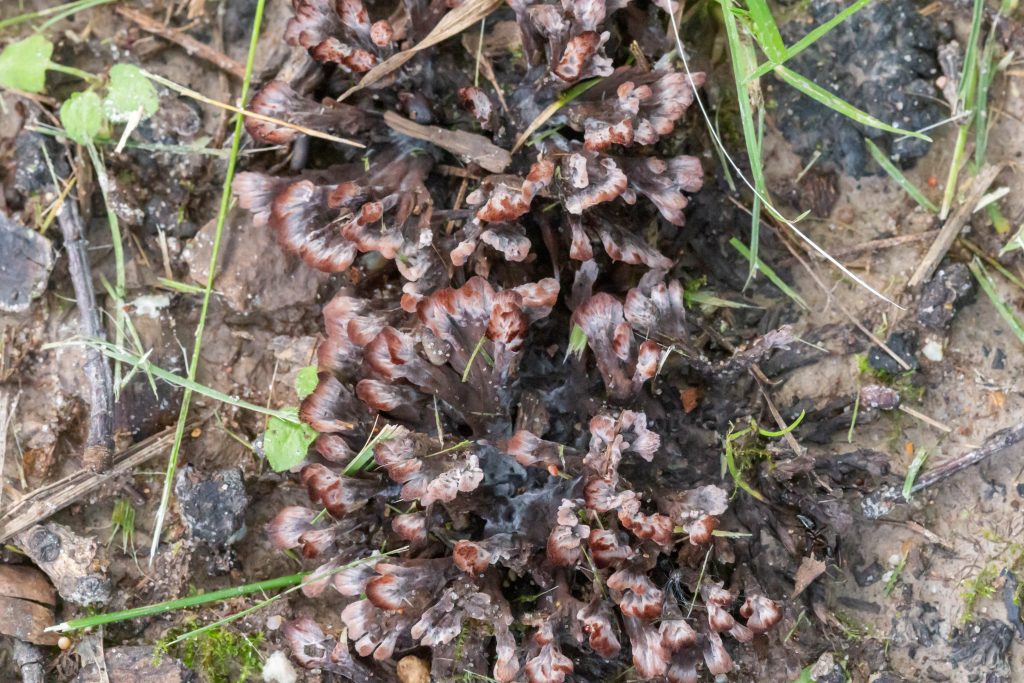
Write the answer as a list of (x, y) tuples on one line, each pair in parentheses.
[(306, 381), (286, 443), (128, 92), (897, 175), (912, 472), (82, 116), (816, 92), (23, 64)]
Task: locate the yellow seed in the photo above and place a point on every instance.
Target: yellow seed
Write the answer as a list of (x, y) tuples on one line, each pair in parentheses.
[(64, 642)]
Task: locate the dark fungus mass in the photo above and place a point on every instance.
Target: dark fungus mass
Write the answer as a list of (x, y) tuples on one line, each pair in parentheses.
[(882, 60), (526, 478)]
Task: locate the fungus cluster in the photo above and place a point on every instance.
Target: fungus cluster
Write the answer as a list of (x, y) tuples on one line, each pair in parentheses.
[(542, 542)]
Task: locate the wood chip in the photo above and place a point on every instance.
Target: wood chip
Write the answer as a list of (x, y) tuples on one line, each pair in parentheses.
[(470, 146), (810, 569), (26, 583), (26, 620), (954, 224)]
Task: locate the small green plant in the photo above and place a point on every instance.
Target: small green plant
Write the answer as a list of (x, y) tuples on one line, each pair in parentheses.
[(122, 520), (897, 572), (981, 587), (220, 655), (735, 459)]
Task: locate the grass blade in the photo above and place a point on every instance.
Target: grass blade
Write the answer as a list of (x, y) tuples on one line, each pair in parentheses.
[(985, 281), (897, 175), (180, 603), (748, 97), (769, 207), (915, 467), (770, 274), (766, 30), (62, 11), (189, 385), (816, 34), (836, 103), (222, 214)]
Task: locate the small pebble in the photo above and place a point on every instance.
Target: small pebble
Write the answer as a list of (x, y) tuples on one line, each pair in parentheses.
[(412, 669)]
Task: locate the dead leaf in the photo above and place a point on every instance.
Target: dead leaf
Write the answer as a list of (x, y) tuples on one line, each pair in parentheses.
[(810, 569), (471, 146), (453, 23)]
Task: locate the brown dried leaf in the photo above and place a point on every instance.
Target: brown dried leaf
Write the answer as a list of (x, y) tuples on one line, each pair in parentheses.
[(810, 569)]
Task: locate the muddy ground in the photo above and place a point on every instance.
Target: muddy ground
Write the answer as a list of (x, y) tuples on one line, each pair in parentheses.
[(894, 592)]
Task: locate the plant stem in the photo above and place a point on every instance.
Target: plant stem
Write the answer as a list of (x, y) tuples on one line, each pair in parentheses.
[(225, 201), (72, 71), (179, 603), (189, 385), (115, 237)]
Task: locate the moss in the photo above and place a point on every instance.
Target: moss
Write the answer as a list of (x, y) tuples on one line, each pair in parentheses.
[(219, 655)]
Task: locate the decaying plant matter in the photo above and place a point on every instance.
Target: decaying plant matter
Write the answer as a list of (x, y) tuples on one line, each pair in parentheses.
[(544, 544)]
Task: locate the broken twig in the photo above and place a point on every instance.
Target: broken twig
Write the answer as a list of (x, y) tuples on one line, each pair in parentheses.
[(183, 40), (99, 442)]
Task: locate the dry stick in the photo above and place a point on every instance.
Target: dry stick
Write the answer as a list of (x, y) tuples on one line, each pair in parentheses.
[(465, 15), (47, 500), (476, 148), (7, 408), (183, 40), (30, 660), (953, 225), (199, 97), (998, 441), (886, 243), (99, 442)]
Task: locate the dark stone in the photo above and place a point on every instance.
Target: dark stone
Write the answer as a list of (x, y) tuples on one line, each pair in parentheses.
[(212, 507), (949, 290), (868, 575), (903, 345), (25, 263), (983, 643), (999, 360)]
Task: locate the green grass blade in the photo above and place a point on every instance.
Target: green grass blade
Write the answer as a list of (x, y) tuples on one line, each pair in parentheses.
[(770, 274), (816, 34), (62, 11), (225, 202), (189, 385), (897, 175), (836, 103), (915, 467), (985, 281), (744, 59), (179, 603), (766, 30)]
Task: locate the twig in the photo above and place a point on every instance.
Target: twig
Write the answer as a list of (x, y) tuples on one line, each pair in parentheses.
[(30, 660), (476, 148), (7, 408), (1001, 440), (183, 40), (48, 500), (885, 243), (99, 442), (948, 233)]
